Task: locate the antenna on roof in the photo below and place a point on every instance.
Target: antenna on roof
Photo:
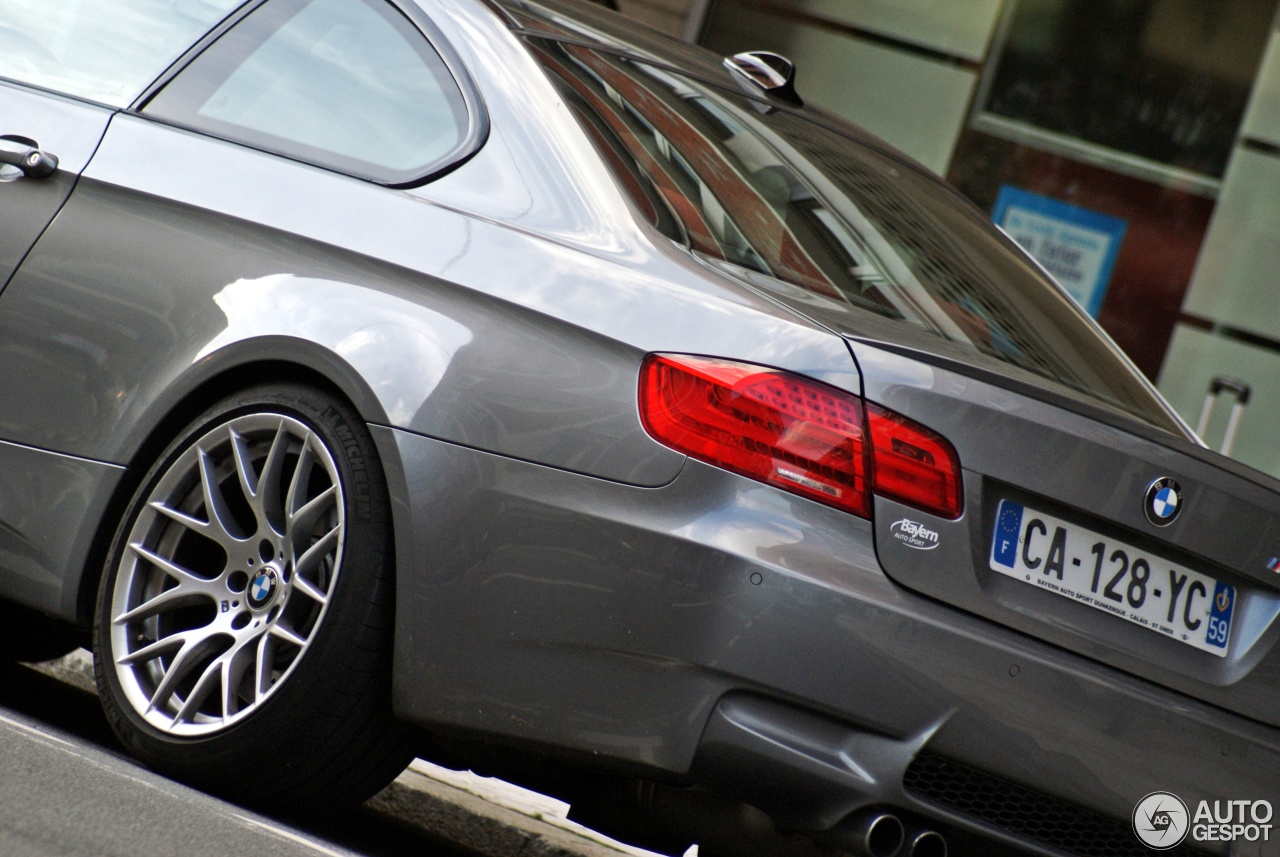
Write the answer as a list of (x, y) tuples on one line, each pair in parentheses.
[(773, 73)]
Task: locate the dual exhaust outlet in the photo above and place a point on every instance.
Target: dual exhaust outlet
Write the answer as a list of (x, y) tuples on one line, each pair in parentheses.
[(664, 818), (882, 834)]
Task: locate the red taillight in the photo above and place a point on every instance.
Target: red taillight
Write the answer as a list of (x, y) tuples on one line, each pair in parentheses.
[(913, 464), (796, 433), (788, 431)]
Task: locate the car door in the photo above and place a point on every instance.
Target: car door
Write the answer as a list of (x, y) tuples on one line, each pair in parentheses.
[(43, 128), (66, 68)]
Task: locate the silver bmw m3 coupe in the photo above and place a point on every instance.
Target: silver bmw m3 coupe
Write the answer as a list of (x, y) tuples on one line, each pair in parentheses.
[(493, 381)]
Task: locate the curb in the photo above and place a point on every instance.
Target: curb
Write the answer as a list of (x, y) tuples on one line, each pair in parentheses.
[(479, 825), (488, 817)]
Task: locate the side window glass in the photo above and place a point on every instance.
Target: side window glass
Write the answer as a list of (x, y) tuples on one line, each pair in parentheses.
[(347, 84), (104, 50)]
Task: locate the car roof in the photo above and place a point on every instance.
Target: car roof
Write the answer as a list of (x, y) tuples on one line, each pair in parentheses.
[(594, 25), (590, 22)]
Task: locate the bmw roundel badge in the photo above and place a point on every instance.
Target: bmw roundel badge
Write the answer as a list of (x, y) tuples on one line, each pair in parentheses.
[(262, 587), (1163, 501)]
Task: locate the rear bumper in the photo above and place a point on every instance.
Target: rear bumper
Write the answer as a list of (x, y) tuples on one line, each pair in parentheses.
[(719, 631)]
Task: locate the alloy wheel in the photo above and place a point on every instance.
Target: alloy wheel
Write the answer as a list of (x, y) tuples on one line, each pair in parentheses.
[(226, 574)]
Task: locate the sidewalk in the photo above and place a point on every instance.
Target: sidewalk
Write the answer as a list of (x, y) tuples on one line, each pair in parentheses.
[(490, 817)]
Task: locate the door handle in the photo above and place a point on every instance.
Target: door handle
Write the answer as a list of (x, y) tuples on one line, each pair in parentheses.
[(33, 162)]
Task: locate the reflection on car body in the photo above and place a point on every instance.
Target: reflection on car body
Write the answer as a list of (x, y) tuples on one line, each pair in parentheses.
[(484, 381)]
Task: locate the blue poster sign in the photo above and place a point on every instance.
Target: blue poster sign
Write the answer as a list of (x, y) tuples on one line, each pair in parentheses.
[(1076, 245)]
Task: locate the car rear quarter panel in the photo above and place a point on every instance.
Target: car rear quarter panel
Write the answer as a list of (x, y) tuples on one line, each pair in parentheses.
[(460, 328), (506, 311)]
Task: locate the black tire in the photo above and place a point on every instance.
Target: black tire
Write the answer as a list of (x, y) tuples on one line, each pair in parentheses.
[(28, 636), (256, 643)]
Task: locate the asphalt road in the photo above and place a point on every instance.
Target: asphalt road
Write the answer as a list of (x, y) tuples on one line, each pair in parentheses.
[(67, 791)]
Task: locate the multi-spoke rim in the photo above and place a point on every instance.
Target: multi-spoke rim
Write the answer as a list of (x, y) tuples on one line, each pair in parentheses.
[(227, 574)]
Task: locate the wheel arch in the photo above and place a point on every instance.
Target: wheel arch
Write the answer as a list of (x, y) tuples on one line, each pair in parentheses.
[(208, 381), (293, 545)]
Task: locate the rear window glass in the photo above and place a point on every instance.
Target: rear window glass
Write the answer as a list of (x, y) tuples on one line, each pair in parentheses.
[(103, 50), (849, 229)]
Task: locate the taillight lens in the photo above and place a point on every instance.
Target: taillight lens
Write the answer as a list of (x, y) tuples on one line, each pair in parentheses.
[(798, 434), (914, 465)]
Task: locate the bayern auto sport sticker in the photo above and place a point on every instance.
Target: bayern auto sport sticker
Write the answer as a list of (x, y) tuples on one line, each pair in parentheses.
[(914, 535)]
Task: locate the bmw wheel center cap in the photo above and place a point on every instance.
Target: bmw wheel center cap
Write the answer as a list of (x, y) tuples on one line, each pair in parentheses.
[(262, 587), (1163, 501)]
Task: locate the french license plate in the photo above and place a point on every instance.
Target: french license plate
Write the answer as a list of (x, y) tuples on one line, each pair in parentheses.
[(1079, 564)]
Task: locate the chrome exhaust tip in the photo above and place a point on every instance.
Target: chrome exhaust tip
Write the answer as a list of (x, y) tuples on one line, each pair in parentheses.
[(927, 843), (876, 834)]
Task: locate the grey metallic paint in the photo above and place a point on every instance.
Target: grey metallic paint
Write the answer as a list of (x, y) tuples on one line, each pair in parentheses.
[(45, 501), (67, 128), (539, 588), (260, 258), (564, 581), (1063, 463)]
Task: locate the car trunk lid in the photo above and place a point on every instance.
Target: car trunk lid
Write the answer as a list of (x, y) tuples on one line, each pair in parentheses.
[(1089, 479)]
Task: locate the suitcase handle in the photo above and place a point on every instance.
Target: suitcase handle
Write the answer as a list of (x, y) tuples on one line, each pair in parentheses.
[(1222, 382), (1219, 385)]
